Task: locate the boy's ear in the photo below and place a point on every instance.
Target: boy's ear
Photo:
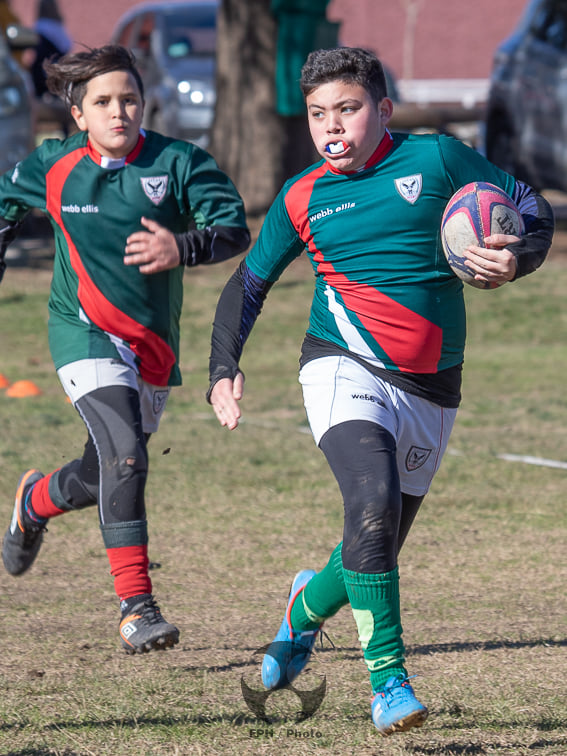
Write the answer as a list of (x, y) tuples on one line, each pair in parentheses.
[(385, 108), (78, 117)]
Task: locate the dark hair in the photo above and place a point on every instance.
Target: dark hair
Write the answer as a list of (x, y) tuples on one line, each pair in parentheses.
[(68, 76), (349, 64)]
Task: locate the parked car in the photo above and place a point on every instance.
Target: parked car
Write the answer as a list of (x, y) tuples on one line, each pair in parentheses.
[(526, 113), (16, 112), (175, 48)]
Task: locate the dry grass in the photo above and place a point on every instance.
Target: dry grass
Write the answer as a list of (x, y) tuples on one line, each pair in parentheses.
[(233, 516)]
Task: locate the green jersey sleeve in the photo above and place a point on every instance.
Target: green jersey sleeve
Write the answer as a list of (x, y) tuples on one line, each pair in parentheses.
[(24, 187), (278, 243), (464, 164)]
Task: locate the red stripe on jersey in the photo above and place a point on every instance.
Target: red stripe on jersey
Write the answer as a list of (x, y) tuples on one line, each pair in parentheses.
[(156, 356), (297, 200), (411, 341)]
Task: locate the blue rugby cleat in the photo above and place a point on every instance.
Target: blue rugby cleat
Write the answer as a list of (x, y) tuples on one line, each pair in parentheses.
[(290, 650), (395, 708)]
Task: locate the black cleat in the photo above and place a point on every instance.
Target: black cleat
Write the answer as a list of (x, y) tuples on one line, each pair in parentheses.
[(143, 628), (24, 537)]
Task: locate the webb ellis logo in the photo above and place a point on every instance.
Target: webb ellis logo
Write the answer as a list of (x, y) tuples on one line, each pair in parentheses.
[(257, 699)]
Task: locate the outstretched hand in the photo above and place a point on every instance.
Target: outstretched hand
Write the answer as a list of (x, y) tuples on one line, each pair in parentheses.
[(153, 250), (224, 398)]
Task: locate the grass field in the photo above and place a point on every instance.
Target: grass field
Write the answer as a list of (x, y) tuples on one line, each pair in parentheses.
[(233, 515)]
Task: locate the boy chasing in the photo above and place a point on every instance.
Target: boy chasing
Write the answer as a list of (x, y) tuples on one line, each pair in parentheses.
[(130, 210)]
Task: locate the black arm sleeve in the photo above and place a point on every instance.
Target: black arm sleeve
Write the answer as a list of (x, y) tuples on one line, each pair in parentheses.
[(239, 305), (211, 245), (8, 232), (532, 249)]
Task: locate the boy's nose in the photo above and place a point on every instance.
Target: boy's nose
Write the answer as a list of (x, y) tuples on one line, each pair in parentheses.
[(334, 126)]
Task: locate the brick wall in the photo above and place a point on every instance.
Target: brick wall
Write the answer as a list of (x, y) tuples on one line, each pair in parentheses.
[(451, 38)]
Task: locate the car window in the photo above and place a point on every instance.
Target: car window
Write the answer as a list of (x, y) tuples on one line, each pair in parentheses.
[(550, 24), (190, 32)]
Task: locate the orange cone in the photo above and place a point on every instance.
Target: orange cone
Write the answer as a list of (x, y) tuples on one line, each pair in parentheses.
[(4, 382), (23, 388)]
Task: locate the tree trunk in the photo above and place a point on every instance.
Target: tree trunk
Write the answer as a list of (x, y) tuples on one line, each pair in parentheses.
[(248, 135)]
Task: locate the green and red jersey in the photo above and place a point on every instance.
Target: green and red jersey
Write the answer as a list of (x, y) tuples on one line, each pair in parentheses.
[(97, 303), (383, 288), (384, 292)]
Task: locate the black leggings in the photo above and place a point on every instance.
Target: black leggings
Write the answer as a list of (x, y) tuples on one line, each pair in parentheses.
[(377, 515), (114, 465)]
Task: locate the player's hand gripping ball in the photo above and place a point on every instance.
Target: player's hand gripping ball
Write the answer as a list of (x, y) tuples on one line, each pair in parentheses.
[(476, 210)]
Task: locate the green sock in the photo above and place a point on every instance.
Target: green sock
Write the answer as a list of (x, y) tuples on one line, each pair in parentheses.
[(375, 603), (322, 597)]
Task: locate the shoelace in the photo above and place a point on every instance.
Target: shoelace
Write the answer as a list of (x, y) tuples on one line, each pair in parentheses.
[(297, 636), (151, 612), (31, 531), (394, 687), (323, 633)]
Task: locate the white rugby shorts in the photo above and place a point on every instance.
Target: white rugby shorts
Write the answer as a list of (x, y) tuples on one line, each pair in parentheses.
[(337, 389), (83, 376)]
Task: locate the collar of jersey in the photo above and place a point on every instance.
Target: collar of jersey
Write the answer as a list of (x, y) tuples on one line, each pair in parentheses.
[(113, 163), (379, 154)]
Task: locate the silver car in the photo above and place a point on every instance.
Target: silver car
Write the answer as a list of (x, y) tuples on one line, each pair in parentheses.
[(526, 115), (16, 121), (175, 48)]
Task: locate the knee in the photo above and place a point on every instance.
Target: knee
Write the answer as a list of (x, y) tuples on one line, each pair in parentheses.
[(134, 463), (124, 484), (370, 535), (132, 459)]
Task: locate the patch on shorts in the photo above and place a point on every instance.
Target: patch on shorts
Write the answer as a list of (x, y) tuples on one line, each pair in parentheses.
[(160, 398), (417, 457)]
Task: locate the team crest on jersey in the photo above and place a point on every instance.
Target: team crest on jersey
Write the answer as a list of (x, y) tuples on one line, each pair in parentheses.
[(416, 458), (155, 187), (409, 187)]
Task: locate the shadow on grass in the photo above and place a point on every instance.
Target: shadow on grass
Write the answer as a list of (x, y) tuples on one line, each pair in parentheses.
[(237, 719), (448, 748), (456, 749), (494, 645), (353, 652)]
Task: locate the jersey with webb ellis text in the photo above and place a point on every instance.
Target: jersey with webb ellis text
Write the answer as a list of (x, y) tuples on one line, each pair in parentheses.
[(98, 304), (383, 288)]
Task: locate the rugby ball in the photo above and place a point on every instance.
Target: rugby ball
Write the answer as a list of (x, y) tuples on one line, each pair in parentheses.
[(476, 210)]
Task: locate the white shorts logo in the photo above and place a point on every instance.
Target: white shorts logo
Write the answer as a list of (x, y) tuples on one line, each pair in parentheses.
[(409, 187), (155, 188), (416, 458), (160, 398)]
